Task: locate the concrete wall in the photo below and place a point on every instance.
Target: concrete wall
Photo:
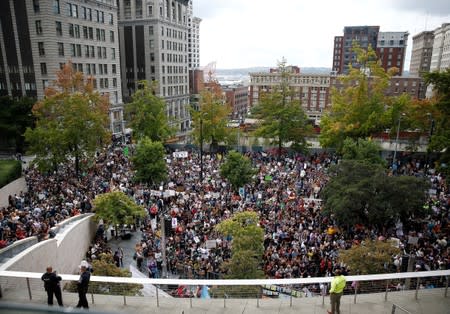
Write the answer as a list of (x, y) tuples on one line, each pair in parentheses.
[(64, 252), (12, 188), (17, 247)]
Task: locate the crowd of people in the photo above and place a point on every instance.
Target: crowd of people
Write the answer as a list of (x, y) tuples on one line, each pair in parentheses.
[(299, 240)]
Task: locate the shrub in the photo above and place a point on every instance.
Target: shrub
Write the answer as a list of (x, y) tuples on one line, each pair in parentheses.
[(9, 171)]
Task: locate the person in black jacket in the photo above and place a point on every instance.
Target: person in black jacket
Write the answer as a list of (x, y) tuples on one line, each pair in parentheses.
[(52, 286), (82, 286)]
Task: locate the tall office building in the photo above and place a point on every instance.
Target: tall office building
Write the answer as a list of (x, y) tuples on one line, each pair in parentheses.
[(422, 48), (193, 38), (37, 37), (440, 59), (391, 49), (343, 55), (338, 54), (154, 41), (389, 46)]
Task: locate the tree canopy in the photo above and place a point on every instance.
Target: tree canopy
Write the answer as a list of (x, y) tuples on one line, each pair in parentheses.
[(360, 108), (281, 116), (116, 208), (246, 246), (149, 163), (440, 139), (71, 122), (369, 257), (362, 150), (237, 169), (211, 120), (15, 117), (147, 114), (362, 193)]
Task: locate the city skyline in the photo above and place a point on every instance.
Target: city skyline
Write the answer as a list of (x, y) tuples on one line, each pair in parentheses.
[(241, 34)]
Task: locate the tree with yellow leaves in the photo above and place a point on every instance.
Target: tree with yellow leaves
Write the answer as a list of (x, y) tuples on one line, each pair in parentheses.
[(360, 108), (210, 122), (71, 122)]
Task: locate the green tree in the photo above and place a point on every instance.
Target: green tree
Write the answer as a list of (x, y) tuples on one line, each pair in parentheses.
[(15, 117), (237, 169), (115, 208), (362, 193), (369, 257), (149, 163), (147, 114), (440, 140), (71, 122), (362, 150), (210, 122), (246, 246), (104, 266), (360, 108), (281, 116)]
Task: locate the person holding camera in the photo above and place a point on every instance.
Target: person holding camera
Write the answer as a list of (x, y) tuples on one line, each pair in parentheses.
[(52, 286)]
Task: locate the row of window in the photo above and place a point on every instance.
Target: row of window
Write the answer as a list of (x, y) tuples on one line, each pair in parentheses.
[(88, 32), (175, 13), (72, 11), (175, 79), (88, 14), (103, 83), (391, 42), (91, 69), (175, 90), (76, 51), (172, 57), (292, 80), (74, 31)]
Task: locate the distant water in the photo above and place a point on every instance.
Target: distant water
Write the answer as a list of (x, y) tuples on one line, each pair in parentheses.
[(242, 76)]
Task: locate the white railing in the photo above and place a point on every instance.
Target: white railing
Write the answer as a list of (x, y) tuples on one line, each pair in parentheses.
[(27, 284)]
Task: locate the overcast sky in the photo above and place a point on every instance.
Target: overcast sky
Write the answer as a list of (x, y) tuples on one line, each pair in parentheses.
[(247, 33)]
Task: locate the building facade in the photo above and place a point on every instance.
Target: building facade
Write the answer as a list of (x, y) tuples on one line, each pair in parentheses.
[(398, 85), (422, 48), (389, 46), (154, 41), (39, 36), (343, 55), (440, 59), (312, 90), (194, 43), (391, 49), (338, 51), (237, 98)]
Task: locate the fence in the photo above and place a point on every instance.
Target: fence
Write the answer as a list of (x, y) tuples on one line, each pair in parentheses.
[(27, 286)]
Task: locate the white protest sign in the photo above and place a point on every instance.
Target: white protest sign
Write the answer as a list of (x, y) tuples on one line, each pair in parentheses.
[(211, 244), (182, 154)]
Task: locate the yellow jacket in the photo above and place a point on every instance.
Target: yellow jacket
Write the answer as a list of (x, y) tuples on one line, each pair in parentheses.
[(337, 284)]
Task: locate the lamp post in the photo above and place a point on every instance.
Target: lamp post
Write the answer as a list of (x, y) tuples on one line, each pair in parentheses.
[(163, 210), (394, 161), (201, 150), (427, 164)]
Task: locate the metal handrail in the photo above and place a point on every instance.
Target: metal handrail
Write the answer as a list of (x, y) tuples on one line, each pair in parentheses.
[(233, 282)]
